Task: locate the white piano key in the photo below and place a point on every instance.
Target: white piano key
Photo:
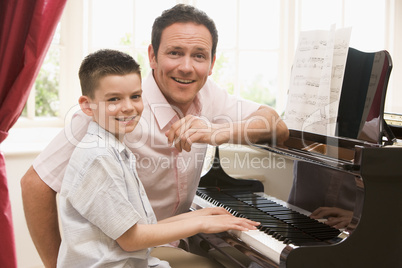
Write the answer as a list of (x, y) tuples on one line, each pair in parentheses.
[(263, 243), (260, 241)]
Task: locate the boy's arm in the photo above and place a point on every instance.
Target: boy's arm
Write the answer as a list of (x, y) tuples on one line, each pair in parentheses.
[(193, 214), (141, 236), (40, 208)]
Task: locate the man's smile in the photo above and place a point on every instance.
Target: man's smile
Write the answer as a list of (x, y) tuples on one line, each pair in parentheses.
[(183, 81)]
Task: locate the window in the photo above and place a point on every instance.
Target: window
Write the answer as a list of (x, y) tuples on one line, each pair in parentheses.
[(255, 51), (45, 89), (249, 47), (44, 101)]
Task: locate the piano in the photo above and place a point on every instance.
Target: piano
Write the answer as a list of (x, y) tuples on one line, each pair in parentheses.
[(363, 153)]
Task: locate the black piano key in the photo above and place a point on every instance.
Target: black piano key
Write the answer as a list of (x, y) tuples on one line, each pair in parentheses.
[(291, 217), (273, 226), (291, 235), (277, 210)]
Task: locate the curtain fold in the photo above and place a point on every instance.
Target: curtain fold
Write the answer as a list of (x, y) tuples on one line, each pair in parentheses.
[(26, 31)]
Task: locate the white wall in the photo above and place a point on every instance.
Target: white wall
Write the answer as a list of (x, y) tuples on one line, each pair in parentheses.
[(20, 149), (16, 166)]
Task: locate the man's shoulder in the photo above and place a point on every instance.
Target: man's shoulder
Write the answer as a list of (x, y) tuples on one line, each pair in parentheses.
[(211, 90), (210, 84)]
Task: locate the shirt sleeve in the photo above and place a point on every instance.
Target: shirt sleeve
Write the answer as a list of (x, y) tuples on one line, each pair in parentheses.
[(51, 163), (100, 195)]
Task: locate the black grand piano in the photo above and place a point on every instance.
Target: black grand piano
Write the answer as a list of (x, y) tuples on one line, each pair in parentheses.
[(361, 154)]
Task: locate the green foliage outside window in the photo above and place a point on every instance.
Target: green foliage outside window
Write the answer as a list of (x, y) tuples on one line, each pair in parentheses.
[(142, 59), (47, 86), (259, 92)]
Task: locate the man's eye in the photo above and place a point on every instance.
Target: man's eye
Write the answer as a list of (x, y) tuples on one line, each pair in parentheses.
[(136, 96), (113, 99), (200, 57)]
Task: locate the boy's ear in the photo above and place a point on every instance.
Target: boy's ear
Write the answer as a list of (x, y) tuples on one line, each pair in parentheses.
[(85, 105)]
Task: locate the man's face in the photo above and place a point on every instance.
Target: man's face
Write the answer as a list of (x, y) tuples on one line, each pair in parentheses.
[(184, 62)]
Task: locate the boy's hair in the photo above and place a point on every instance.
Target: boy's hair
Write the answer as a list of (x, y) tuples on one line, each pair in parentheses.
[(103, 63), (182, 13)]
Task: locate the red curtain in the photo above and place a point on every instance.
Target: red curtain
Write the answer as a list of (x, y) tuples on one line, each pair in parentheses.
[(26, 31)]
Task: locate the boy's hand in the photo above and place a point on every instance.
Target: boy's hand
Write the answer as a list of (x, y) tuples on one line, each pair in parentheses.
[(210, 212), (221, 223)]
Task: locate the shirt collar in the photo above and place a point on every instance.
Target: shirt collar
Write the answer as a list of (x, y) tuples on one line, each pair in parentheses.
[(106, 137), (159, 106)]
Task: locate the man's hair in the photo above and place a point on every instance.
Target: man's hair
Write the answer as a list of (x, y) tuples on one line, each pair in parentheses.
[(103, 63), (182, 13)]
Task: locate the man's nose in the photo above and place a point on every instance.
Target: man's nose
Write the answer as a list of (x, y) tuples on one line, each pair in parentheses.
[(185, 64)]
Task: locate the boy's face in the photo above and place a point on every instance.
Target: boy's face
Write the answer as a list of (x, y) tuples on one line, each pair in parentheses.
[(117, 103)]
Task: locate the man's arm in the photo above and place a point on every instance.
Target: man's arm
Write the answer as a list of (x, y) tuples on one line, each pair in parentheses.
[(264, 125), (40, 208)]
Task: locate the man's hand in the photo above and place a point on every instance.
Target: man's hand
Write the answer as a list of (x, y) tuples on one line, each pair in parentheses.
[(193, 129), (264, 125), (336, 217)]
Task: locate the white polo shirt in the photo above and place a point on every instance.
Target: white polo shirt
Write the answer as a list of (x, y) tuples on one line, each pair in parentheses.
[(101, 198)]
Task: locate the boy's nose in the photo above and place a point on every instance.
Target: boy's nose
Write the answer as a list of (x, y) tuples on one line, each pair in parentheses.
[(127, 106)]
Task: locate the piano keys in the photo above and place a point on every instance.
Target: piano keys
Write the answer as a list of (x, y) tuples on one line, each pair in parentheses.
[(280, 222), (280, 226), (265, 244)]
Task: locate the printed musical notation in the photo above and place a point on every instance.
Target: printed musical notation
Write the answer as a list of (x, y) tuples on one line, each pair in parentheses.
[(316, 80)]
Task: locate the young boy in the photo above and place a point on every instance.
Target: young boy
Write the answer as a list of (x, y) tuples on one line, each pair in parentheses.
[(107, 219)]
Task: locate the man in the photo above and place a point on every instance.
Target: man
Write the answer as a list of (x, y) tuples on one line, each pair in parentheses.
[(183, 111)]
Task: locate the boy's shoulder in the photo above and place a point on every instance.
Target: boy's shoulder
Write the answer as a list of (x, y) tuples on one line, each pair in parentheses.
[(93, 145)]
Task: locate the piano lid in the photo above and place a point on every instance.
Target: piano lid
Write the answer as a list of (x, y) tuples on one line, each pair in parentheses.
[(361, 105), (360, 120)]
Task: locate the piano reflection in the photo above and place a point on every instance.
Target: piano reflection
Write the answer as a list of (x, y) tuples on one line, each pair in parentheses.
[(364, 168)]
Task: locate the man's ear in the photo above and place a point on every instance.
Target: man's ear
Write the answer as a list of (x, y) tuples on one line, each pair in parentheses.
[(152, 57), (212, 65), (85, 105)]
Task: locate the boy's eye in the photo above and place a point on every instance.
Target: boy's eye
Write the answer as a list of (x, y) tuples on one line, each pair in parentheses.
[(113, 99), (136, 96)]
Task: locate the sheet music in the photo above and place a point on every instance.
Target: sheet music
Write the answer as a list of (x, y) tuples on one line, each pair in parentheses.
[(316, 80)]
